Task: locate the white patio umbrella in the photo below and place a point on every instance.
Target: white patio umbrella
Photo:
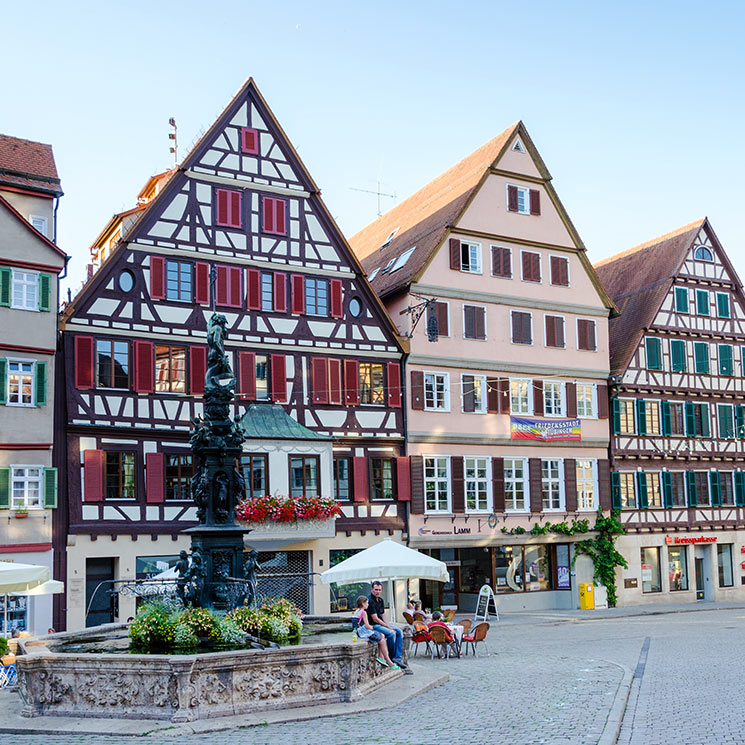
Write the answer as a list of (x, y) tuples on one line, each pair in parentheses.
[(19, 579), (50, 587)]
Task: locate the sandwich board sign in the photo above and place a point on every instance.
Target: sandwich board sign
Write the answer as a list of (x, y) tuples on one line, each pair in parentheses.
[(485, 601)]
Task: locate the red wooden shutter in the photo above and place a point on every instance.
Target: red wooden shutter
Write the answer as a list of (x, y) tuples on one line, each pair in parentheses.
[(267, 212), (394, 385), (535, 202), (280, 207), (492, 395), (604, 490), (504, 396), (221, 285), (202, 283), (417, 390), (235, 299), (602, 396), (144, 366), (455, 253), (527, 266), (298, 294), (479, 323), (550, 331), (359, 467), (154, 478), (535, 268), (469, 394), (93, 475), (403, 478), (254, 289), (280, 292), (235, 209), (279, 378), (443, 325), (84, 362), (570, 484), (351, 383), (571, 393), (247, 375), (335, 392), (249, 141), (197, 369), (536, 484), (320, 374), (501, 261), (559, 271), (469, 321), (336, 298), (559, 331), (417, 485), (223, 208), (157, 278), (497, 475), (512, 198), (458, 487), (538, 397), (591, 342)]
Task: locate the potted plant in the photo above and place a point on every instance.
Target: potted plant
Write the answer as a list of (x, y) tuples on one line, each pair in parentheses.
[(21, 512)]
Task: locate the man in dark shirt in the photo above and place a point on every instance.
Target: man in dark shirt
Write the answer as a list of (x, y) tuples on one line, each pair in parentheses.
[(376, 613)]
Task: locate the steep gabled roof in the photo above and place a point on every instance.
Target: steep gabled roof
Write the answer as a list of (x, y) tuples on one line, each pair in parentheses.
[(28, 164), (638, 281), (28, 226)]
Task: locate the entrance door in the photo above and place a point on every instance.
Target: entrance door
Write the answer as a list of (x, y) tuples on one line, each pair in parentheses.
[(103, 609), (700, 574)]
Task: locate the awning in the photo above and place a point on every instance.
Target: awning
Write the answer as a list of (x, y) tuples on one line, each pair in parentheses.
[(50, 587), (19, 578)]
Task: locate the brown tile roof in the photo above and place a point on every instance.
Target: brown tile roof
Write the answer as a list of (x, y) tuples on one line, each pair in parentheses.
[(28, 164), (423, 218), (638, 280)]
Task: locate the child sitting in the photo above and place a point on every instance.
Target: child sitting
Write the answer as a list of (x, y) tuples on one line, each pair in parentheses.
[(361, 625)]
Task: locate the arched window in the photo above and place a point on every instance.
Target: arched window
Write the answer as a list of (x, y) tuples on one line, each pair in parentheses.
[(703, 253)]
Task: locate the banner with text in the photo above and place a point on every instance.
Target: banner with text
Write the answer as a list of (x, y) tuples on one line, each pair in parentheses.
[(548, 430)]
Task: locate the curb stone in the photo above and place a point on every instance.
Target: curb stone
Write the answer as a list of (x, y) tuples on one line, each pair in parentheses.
[(614, 720)]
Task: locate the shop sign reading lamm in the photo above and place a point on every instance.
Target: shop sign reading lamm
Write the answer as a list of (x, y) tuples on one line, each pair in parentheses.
[(690, 539)]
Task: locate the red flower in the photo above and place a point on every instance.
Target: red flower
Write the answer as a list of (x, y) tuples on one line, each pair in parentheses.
[(270, 508)]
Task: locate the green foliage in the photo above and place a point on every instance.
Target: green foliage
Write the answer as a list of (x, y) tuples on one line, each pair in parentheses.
[(564, 528), (274, 629), (247, 619), (3, 645), (202, 622), (540, 529), (602, 550), (277, 620), (154, 627), (229, 633), (184, 637)]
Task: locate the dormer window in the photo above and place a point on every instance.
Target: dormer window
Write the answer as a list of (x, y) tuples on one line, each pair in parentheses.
[(703, 254), (522, 200)]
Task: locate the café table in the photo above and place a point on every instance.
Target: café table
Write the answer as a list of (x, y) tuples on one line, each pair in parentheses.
[(457, 632)]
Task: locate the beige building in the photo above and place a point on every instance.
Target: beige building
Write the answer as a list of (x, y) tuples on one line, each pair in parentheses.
[(30, 264)]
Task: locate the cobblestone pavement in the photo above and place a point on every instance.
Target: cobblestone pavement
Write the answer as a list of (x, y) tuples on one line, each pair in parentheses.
[(550, 680)]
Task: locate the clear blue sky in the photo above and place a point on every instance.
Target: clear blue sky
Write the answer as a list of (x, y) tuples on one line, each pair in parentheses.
[(636, 107)]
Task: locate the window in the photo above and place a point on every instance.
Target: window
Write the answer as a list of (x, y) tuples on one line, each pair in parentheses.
[(703, 254), (112, 364), (402, 259), (682, 302), (262, 376), (726, 488), (39, 222), (679, 355), (436, 391), (653, 489), (474, 393), (178, 281), (304, 476), (522, 200), (553, 398), (552, 492), (677, 562), (470, 257), (501, 262), (586, 338), (20, 383), (371, 387), (249, 141), (725, 359), (26, 489), (652, 417), (267, 291), (436, 484), (522, 327), (701, 487), (677, 488), (178, 471), (382, 484), (702, 302), (25, 290), (677, 418), (228, 208), (697, 420), (651, 577), (274, 215), (531, 264), (316, 297), (726, 417), (439, 312), (119, 468), (255, 470), (627, 489), (724, 564), (555, 331), (654, 353), (355, 307), (521, 396), (531, 568), (477, 484), (515, 484), (626, 424), (373, 274), (342, 469), (586, 403), (474, 322), (723, 305), (586, 484), (170, 369), (701, 357), (559, 271), (126, 280)]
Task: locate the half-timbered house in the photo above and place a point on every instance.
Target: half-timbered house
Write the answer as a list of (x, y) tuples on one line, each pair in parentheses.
[(507, 421), (305, 333), (677, 448)]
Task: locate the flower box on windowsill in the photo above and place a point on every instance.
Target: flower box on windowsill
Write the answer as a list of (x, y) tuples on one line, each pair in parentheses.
[(302, 530), (20, 514)]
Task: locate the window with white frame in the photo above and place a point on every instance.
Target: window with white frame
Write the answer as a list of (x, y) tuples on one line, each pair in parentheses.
[(587, 470), (627, 489), (436, 391), (25, 290), (26, 487), (473, 389), (553, 398), (654, 489), (626, 416), (586, 400), (477, 484), (20, 383), (470, 257), (523, 199), (521, 395), (39, 222), (652, 417), (515, 484), (726, 488), (437, 484), (553, 496)]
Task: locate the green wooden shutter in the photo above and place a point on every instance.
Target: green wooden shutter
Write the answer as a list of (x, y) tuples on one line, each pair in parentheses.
[(615, 490), (641, 489), (714, 487), (4, 488), (3, 379), (678, 351), (45, 291), (667, 422), (654, 358), (740, 488), (616, 409), (705, 421), (701, 357), (702, 302), (681, 300), (725, 359), (641, 417), (6, 280), (690, 419), (667, 489), (739, 421), (691, 484), (50, 488), (722, 305), (41, 383)]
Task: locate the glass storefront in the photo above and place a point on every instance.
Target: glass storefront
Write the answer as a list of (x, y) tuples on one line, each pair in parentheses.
[(724, 564), (677, 567), (651, 575)]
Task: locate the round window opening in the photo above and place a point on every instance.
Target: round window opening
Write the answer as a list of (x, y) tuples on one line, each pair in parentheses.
[(126, 281), (355, 307)]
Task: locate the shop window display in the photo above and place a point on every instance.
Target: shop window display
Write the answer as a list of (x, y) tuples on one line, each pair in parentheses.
[(651, 576), (677, 561)]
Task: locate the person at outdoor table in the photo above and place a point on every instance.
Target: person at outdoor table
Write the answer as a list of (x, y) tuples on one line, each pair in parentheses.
[(418, 609), (437, 621), (393, 636)]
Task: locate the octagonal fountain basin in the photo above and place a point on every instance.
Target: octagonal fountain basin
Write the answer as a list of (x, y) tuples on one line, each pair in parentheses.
[(58, 676)]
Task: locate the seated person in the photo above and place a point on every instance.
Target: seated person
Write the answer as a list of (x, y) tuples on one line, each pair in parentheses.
[(394, 636), (437, 621), (418, 609), (361, 624)]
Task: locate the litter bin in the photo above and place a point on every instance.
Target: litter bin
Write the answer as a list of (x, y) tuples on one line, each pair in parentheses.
[(586, 596)]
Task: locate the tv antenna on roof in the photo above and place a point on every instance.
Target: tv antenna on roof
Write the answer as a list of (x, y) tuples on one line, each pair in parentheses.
[(174, 140), (378, 193)]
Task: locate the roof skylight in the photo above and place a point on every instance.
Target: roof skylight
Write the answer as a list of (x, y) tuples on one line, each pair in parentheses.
[(402, 259), (374, 274)]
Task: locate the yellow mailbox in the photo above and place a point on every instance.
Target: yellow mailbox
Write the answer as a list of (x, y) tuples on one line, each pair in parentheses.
[(586, 596)]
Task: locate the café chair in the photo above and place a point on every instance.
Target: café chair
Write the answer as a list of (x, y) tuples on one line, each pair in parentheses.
[(409, 618), (420, 636), (478, 637), (442, 642)]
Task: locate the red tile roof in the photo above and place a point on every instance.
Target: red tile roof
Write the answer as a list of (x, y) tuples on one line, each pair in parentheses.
[(28, 164)]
